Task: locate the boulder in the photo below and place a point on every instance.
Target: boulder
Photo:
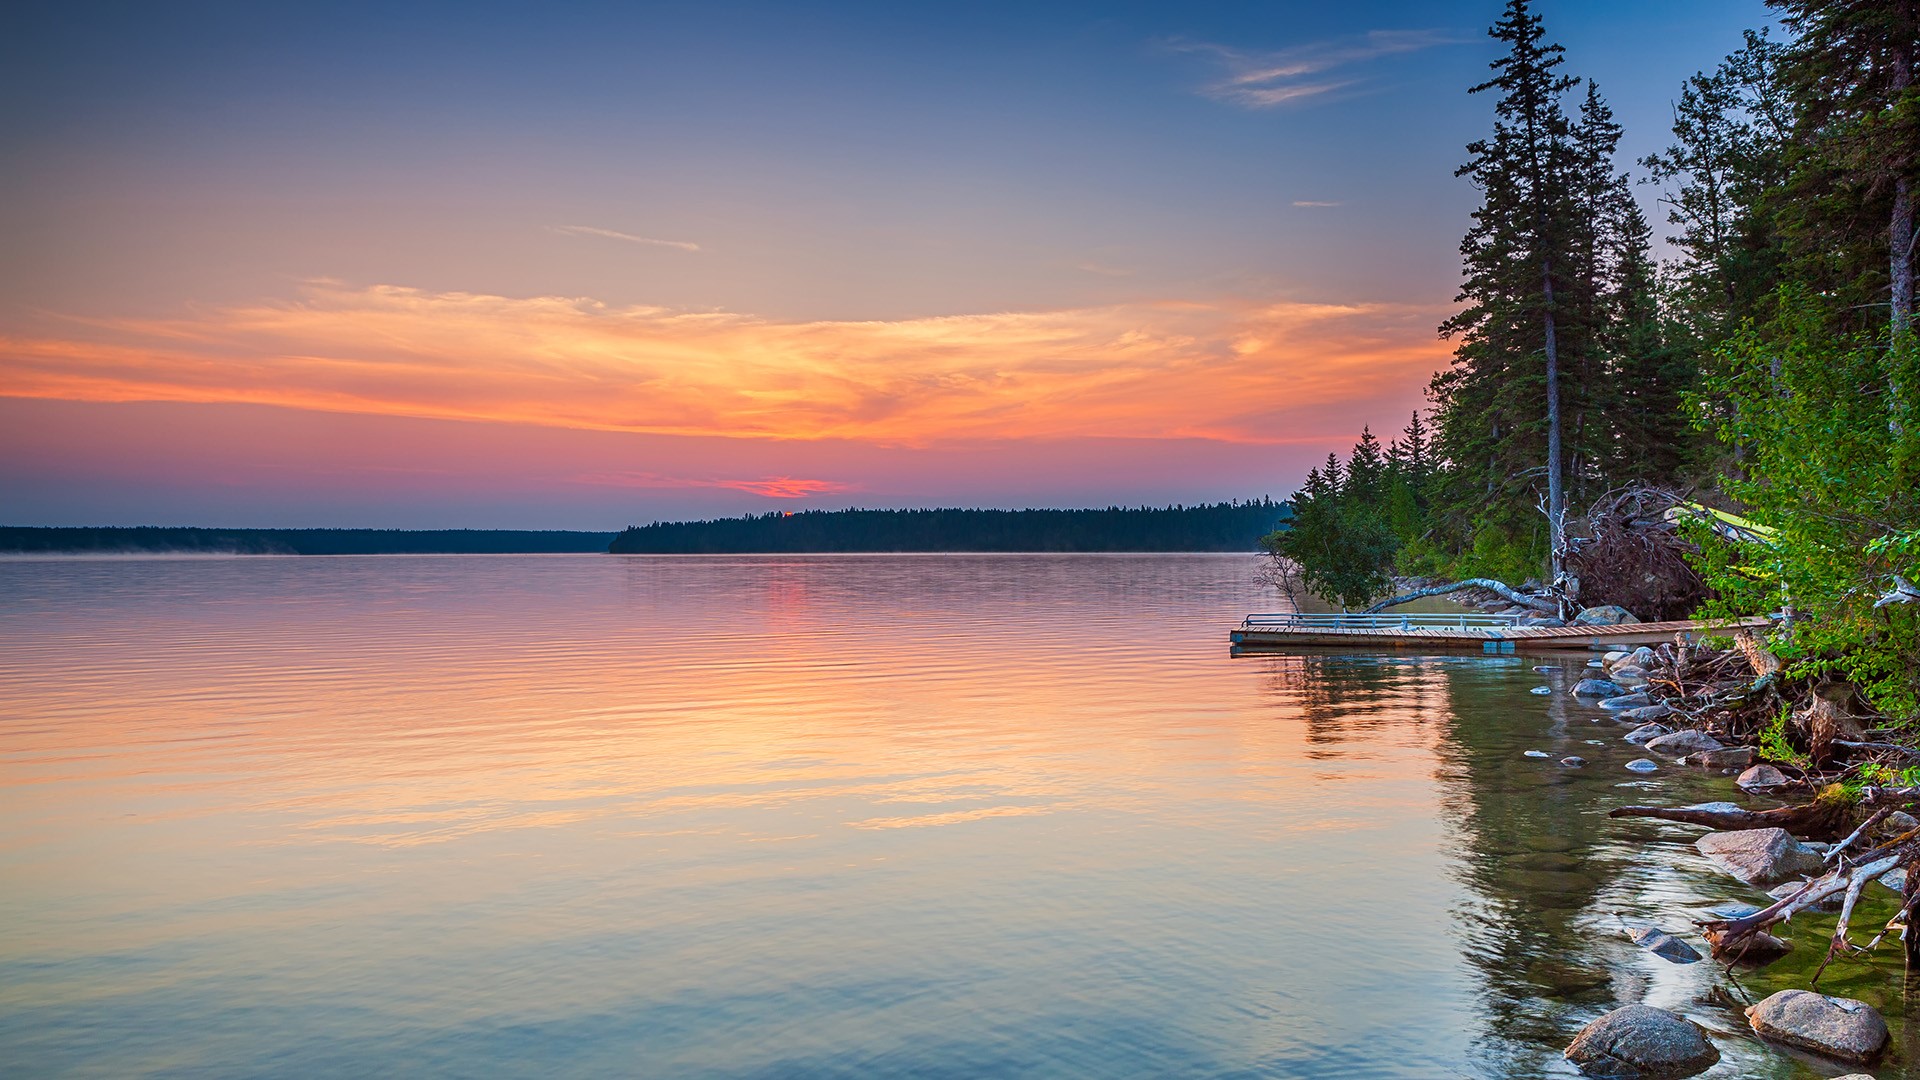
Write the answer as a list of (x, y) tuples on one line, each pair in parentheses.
[(1641, 1041), (1627, 673), (1664, 945), (1642, 765), (1759, 856), (1625, 702), (1641, 657), (1762, 778), (1604, 615), (1647, 731), (1613, 656), (1683, 742), (1644, 713), (1597, 688), (1898, 822), (1729, 757), (1837, 1027)]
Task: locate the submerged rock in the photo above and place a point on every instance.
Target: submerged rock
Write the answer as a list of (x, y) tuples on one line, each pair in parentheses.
[(1664, 945), (1837, 1027), (1541, 690), (1762, 778), (1683, 742), (1642, 765), (1604, 615), (1597, 688), (1755, 951), (1573, 761), (1759, 856), (1732, 909), (1644, 713), (1641, 1041), (1536, 753)]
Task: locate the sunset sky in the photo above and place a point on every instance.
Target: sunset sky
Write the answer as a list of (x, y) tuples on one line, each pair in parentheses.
[(580, 266)]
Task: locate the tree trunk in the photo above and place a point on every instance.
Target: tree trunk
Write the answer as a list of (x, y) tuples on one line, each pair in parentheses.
[(1900, 254), (1556, 496)]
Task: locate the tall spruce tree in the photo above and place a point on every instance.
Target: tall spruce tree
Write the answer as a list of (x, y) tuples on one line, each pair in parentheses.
[(1499, 407)]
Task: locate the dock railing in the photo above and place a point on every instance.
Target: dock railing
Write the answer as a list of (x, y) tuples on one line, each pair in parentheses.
[(1340, 620)]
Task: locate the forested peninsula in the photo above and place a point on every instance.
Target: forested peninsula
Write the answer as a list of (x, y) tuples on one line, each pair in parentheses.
[(1227, 526), (154, 539), (1731, 431)]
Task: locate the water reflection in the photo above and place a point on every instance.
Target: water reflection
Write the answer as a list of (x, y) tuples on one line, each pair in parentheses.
[(995, 815)]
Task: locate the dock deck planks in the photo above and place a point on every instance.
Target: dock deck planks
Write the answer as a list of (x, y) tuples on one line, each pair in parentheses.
[(1477, 637)]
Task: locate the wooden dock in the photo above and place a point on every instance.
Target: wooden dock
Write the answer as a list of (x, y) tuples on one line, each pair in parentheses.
[(1450, 633)]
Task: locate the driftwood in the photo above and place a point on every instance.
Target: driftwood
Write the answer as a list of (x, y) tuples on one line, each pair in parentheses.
[(1849, 878), (1507, 591)]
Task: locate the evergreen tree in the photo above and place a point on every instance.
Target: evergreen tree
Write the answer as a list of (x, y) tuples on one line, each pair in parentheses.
[(1499, 407)]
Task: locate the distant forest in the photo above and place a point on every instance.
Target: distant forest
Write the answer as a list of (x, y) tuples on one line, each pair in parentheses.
[(1227, 526), (23, 539)]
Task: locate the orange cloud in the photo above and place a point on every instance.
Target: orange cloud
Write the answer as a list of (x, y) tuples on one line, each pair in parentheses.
[(1229, 369)]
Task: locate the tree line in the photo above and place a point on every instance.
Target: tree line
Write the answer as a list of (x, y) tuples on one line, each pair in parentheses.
[(1768, 366), (151, 539), (1227, 526)]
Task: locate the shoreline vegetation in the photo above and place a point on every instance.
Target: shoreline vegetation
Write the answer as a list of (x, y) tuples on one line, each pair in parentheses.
[(146, 539), (1734, 431)]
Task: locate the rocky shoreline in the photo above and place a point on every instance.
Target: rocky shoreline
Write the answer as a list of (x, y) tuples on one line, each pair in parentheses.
[(1831, 823)]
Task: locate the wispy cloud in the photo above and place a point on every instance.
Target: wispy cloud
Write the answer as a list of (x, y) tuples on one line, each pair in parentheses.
[(1263, 80), (1226, 368), (1317, 203), (772, 487), (589, 230)]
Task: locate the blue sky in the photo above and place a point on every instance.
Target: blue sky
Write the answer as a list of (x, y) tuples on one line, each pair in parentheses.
[(790, 164)]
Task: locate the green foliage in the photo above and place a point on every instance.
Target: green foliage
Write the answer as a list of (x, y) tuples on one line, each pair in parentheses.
[(1354, 523), (1808, 409), (1774, 745)]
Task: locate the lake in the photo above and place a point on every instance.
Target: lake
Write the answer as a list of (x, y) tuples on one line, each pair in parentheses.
[(836, 816)]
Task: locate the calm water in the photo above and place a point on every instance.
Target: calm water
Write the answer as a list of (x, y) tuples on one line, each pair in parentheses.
[(922, 816)]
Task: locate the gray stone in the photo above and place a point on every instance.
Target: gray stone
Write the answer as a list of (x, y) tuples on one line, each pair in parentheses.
[(1837, 1027), (1757, 950), (1731, 910), (1623, 672), (1542, 690), (1788, 888), (1625, 702), (1613, 656), (1647, 731), (1573, 761), (1597, 688), (1759, 856), (1536, 753), (1641, 1041), (1542, 620), (1762, 778), (1664, 945), (1644, 713), (1642, 657), (1898, 822), (1731, 757), (1604, 615), (1895, 879), (1642, 765), (1713, 807), (1683, 742)]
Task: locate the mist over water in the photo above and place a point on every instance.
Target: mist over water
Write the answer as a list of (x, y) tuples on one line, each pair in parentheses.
[(919, 816)]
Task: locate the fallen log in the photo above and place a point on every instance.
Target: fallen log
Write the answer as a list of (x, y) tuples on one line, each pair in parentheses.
[(1505, 590), (1825, 818), (1727, 935)]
